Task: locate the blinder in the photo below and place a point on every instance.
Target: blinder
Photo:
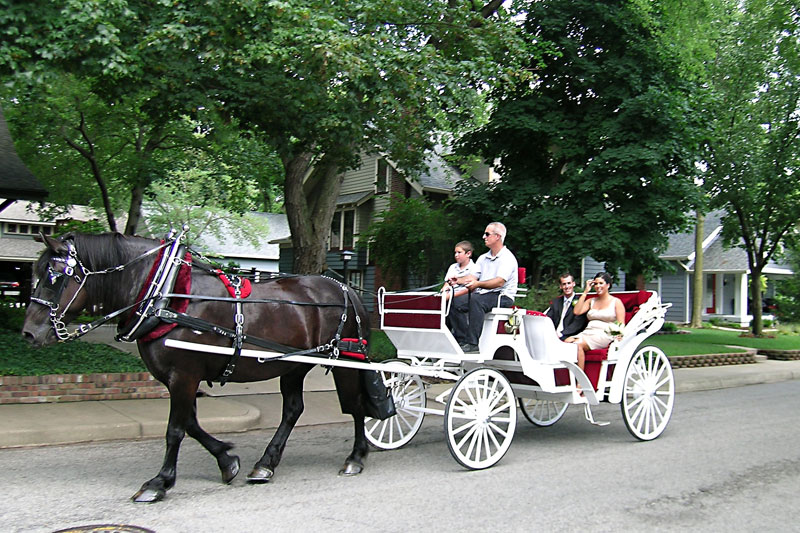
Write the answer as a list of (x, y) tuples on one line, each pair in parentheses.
[(49, 288)]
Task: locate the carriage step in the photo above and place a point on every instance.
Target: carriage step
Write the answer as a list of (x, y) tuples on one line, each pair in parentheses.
[(587, 411)]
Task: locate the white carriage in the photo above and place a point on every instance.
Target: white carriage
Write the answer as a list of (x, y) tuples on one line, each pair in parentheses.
[(521, 361)]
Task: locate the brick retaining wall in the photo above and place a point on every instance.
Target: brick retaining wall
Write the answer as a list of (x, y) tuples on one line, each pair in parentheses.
[(79, 387), (716, 359), (781, 355)]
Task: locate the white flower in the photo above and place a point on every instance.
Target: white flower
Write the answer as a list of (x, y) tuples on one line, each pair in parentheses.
[(615, 329)]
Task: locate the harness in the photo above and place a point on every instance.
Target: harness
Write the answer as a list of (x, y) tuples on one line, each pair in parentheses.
[(152, 308)]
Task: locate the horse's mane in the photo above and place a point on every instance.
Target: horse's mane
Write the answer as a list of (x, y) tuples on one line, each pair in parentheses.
[(108, 250)]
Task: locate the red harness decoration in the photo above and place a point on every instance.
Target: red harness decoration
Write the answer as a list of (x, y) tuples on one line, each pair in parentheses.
[(354, 343), (244, 290), (183, 285)]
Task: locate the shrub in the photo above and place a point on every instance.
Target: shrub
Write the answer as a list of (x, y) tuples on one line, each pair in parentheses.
[(538, 298), (669, 327), (11, 318)]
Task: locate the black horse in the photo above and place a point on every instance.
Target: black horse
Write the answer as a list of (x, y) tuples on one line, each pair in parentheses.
[(107, 272)]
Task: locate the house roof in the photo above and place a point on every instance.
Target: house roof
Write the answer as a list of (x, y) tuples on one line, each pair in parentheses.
[(716, 257), (24, 248), (440, 176), (20, 249), (277, 228), (17, 182), (353, 199)]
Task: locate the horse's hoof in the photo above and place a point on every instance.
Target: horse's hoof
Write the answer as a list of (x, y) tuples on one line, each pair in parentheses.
[(230, 470), (351, 468), (260, 474), (147, 495)]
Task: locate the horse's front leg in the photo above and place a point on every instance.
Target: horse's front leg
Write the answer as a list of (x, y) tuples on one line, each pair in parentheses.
[(181, 409), (292, 393)]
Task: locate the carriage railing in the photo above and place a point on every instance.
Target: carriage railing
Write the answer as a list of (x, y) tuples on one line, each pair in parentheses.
[(644, 323)]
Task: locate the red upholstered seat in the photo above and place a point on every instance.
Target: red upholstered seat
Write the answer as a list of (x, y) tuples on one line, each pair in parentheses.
[(594, 358)]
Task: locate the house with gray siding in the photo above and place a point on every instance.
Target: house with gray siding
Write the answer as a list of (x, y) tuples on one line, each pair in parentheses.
[(726, 277), (365, 193)]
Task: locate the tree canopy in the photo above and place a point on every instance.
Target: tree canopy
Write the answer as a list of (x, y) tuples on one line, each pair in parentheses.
[(321, 81), (596, 154), (753, 148)]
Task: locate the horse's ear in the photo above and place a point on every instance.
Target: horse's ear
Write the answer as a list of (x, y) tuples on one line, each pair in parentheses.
[(55, 245)]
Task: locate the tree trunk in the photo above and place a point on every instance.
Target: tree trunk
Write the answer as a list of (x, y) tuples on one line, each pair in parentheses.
[(697, 279), (134, 210), (757, 325), (310, 205)]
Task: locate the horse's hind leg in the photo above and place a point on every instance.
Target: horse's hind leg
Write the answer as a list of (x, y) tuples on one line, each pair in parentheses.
[(292, 393), (181, 410), (228, 464), (348, 386)]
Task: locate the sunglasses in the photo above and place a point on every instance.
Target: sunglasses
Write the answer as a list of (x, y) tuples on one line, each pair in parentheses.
[(486, 234)]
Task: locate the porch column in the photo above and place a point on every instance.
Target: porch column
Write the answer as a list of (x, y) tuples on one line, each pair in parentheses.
[(740, 305)]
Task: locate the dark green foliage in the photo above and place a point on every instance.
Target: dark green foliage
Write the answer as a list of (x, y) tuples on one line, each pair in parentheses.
[(413, 241), (381, 348), (11, 318), (595, 158), (787, 293), (18, 358)]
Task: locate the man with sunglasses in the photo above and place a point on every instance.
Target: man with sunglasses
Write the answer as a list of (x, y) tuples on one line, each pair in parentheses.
[(498, 278)]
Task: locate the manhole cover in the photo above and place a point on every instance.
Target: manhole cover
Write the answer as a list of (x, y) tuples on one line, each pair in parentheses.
[(106, 528)]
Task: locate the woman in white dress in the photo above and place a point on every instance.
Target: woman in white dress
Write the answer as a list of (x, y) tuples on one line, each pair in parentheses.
[(601, 311)]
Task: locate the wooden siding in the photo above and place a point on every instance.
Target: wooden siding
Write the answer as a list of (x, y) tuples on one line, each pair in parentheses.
[(361, 179), (674, 291)]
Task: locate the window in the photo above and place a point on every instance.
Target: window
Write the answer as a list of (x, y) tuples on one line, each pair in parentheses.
[(382, 177), (12, 228), (356, 279), (343, 230)]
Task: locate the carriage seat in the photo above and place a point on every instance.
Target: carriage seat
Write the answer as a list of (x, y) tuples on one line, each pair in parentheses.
[(542, 340), (631, 301), (415, 323)]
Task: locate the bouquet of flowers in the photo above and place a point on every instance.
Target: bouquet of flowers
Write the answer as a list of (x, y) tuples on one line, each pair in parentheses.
[(615, 330)]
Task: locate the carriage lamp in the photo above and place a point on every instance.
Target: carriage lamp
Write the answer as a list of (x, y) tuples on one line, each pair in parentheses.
[(347, 255)]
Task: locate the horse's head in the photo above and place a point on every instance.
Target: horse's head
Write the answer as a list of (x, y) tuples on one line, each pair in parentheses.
[(57, 298)]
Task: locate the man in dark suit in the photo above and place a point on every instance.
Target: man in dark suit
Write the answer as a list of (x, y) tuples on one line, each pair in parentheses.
[(566, 322)]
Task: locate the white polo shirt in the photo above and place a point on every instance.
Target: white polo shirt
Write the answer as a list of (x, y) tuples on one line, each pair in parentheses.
[(456, 271), (503, 265)]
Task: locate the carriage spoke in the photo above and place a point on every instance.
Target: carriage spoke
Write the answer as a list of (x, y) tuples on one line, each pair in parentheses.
[(480, 418), (408, 393), (648, 394)]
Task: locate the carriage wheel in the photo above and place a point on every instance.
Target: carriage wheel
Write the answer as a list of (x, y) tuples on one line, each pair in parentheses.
[(480, 418), (408, 393), (542, 413), (649, 393)]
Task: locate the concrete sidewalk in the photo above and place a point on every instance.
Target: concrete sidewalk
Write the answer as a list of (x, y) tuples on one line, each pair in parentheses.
[(244, 407)]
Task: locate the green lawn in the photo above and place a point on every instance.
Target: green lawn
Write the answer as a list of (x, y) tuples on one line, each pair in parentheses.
[(706, 341)]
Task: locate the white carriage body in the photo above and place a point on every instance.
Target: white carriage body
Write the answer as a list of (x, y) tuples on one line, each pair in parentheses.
[(530, 353)]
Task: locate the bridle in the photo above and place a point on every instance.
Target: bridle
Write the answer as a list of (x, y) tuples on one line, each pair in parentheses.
[(49, 289)]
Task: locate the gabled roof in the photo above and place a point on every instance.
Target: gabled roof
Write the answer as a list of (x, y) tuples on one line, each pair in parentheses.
[(353, 199), (16, 181), (277, 228), (439, 176), (716, 258)]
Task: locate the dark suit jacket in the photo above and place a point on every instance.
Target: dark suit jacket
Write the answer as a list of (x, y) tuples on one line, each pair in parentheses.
[(573, 324)]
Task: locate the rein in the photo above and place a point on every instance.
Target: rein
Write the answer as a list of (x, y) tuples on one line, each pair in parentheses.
[(152, 306), (57, 283)]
